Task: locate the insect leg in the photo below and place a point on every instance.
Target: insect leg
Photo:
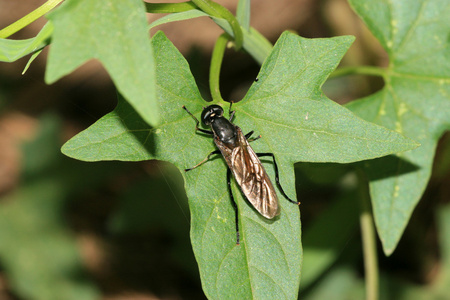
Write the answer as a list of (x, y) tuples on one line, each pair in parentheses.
[(234, 205), (231, 115), (277, 180), (203, 161), (197, 122), (248, 135), (231, 112)]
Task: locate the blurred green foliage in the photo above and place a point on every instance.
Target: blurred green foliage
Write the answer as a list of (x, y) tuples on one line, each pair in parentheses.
[(73, 230)]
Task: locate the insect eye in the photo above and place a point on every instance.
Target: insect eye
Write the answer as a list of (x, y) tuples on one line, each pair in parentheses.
[(216, 111), (210, 113), (206, 121)]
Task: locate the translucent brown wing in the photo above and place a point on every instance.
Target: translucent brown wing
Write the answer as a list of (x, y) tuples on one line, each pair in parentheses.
[(251, 176)]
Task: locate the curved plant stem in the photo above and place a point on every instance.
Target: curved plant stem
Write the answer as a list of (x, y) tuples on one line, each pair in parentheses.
[(216, 10), (368, 240), (28, 19), (362, 70), (243, 14), (165, 8), (212, 9), (216, 65)]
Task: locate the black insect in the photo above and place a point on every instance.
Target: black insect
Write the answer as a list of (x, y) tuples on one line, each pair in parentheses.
[(242, 161)]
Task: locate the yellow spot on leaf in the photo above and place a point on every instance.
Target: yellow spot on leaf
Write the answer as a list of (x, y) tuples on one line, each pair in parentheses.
[(382, 110), (398, 127), (402, 109), (396, 190)]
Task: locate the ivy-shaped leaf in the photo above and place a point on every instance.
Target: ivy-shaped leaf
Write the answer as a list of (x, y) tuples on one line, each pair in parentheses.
[(297, 123), (114, 32), (415, 101)]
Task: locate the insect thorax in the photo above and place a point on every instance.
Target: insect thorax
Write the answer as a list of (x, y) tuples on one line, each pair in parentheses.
[(225, 131)]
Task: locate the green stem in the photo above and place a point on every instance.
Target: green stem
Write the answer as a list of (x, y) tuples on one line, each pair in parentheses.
[(166, 8), (28, 19), (243, 14), (209, 7), (216, 64), (363, 70), (368, 240), (216, 10)]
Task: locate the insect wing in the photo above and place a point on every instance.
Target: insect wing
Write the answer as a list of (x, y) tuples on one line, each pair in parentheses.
[(251, 176)]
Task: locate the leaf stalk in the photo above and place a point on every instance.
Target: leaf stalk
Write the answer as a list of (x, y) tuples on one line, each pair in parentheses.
[(167, 8), (29, 18), (211, 8), (216, 65), (216, 10), (368, 240)]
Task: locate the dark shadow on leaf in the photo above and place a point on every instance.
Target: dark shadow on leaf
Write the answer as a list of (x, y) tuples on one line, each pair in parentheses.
[(136, 125), (386, 167)]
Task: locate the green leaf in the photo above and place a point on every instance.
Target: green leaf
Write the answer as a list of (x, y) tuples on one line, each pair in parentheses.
[(415, 102), (318, 129), (297, 122), (12, 50), (114, 32)]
